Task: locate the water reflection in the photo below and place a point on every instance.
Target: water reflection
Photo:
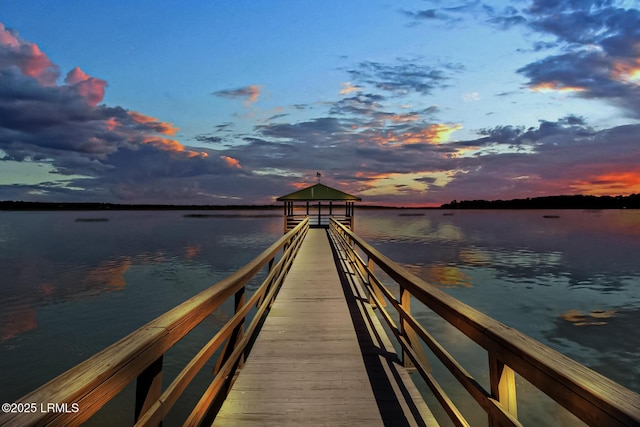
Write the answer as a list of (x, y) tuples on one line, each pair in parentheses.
[(191, 251), (109, 274), (17, 320), (595, 318), (76, 287), (443, 276), (572, 282)]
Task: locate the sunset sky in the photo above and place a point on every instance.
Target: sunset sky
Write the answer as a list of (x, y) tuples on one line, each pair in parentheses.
[(412, 103)]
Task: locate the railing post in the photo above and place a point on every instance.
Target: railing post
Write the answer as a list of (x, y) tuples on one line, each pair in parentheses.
[(405, 329), (503, 386), (409, 334), (234, 337), (373, 287), (148, 388), (239, 332)]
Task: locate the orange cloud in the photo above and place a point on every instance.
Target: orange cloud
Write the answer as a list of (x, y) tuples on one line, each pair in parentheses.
[(402, 118), (382, 184), (166, 144), (253, 93), (433, 134), (88, 87), (626, 71), (299, 185), (624, 182), (348, 88), (231, 162), (555, 87), (158, 126), (111, 123)]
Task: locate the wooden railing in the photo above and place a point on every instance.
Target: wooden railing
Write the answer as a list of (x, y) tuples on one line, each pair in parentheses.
[(593, 398), (138, 356), (290, 221)]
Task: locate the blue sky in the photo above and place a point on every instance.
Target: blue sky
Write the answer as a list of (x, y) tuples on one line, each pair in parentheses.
[(404, 103)]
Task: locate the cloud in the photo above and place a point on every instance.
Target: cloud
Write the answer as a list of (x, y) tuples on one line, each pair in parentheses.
[(429, 134), (96, 148), (156, 125), (27, 57), (348, 88), (448, 14), (471, 97), (208, 139), (88, 87), (323, 127), (375, 138), (597, 48), (400, 79), (231, 162), (249, 94)]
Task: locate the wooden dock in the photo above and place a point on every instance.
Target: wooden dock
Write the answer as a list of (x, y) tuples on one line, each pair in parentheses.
[(307, 366), (306, 347)]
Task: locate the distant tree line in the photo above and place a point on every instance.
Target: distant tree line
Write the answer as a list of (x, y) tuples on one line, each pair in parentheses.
[(40, 206), (552, 202)]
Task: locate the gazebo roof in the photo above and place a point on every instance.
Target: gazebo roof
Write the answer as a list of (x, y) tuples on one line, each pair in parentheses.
[(318, 192)]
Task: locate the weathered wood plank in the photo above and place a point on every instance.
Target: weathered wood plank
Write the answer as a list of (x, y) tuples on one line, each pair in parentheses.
[(592, 397), (307, 366)]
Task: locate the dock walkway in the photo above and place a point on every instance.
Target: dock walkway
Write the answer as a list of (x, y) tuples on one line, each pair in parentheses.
[(307, 366)]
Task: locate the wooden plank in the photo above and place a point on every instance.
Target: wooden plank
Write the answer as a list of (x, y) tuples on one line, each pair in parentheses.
[(592, 397), (306, 366), (403, 391)]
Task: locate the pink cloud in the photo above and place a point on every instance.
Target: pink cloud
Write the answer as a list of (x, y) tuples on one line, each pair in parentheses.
[(7, 38), (90, 88), (27, 57)]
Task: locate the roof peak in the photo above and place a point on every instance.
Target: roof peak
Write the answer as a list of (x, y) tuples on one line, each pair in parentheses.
[(318, 192)]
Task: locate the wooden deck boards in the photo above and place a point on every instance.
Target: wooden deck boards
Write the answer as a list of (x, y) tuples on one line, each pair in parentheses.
[(307, 366)]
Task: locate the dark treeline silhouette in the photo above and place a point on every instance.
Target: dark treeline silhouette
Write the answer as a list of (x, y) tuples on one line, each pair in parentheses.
[(552, 202), (41, 206)]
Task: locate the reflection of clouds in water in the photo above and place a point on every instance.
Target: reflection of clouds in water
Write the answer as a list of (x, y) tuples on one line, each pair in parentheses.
[(441, 275), (246, 241), (606, 341), (17, 320), (448, 232), (517, 258), (192, 251), (570, 283), (595, 318), (109, 275), (407, 229), (475, 256)]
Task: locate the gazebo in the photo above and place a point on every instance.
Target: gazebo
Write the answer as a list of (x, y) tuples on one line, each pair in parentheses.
[(313, 197)]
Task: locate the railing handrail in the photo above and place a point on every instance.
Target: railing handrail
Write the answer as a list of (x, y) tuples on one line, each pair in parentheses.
[(592, 397), (98, 379)]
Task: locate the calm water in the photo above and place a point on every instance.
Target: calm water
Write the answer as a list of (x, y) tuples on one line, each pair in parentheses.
[(69, 289)]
